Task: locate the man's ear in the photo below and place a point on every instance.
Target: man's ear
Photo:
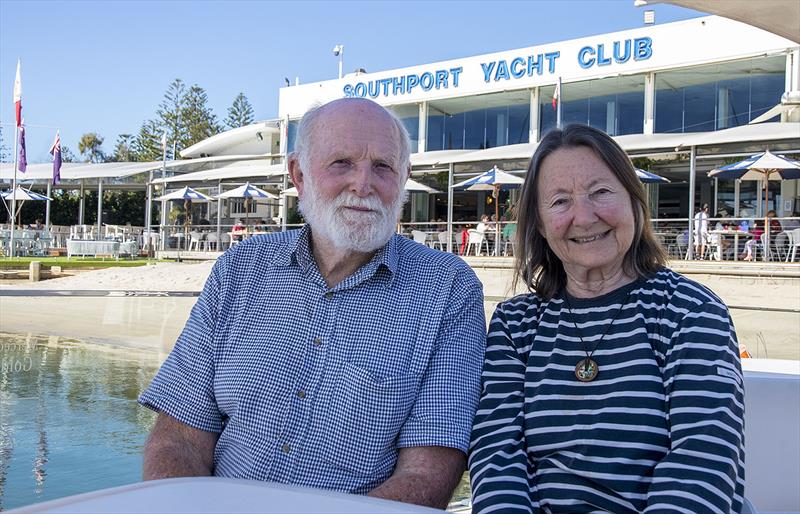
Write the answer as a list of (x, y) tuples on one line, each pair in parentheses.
[(295, 173)]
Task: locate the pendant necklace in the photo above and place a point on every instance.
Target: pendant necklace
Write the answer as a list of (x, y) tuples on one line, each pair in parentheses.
[(587, 369)]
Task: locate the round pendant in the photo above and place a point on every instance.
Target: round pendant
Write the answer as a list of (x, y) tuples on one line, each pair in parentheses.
[(586, 370)]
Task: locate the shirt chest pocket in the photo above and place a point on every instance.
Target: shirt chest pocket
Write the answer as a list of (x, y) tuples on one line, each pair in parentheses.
[(363, 418)]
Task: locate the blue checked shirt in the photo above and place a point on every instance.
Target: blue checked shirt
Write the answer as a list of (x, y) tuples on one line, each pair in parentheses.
[(320, 386)]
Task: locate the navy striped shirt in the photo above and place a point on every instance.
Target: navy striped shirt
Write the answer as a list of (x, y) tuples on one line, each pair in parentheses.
[(320, 386), (661, 428)]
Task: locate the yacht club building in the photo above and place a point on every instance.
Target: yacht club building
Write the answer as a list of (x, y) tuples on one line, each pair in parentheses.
[(707, 83)]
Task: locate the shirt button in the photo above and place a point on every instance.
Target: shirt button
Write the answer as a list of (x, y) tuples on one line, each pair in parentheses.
[(286, 448), (301, 394), (329, 295), (317, 341)]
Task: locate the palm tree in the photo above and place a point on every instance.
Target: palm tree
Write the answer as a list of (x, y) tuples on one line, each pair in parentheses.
[(89, 146)]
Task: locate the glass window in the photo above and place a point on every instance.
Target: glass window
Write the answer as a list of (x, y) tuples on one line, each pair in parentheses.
[(479, 122), (718, 96), (291, 135), (614, 105), (409, 115)]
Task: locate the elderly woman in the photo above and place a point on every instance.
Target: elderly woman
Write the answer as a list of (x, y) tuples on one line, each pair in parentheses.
[(615, 384)]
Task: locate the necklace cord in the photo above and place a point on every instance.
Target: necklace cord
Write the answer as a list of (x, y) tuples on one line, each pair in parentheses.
[(578, 330)]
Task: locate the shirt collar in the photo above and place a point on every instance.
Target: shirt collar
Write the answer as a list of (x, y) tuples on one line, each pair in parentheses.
[(298, 252)]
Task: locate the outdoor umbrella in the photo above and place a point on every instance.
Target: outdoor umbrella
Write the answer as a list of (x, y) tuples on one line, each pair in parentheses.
[(20, 194), (648, 178), (411, 186), (493, 180), (248, 191), (766, 166), (188, 195)]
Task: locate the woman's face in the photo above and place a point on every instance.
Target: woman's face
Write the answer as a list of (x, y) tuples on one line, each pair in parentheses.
[(586, 214)]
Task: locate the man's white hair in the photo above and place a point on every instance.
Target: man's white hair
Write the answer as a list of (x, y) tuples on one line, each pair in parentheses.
[(307, 125)]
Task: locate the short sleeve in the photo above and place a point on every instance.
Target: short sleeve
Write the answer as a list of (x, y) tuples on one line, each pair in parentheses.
[(183, 387), (448, 395)]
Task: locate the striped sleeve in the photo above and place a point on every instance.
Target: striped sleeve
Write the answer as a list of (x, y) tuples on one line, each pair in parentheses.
[(703, 471), (499, 469)]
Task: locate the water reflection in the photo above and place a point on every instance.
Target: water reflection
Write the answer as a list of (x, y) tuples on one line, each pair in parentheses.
[(69, 421)]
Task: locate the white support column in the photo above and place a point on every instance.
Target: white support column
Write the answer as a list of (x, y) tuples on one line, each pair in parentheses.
[(47, 207), (284, 140), (649, 103), (692, 166), (737, 187), (81, 204), (533, 127), (99, 209), (450, 208), (219, 216), (423, 127)]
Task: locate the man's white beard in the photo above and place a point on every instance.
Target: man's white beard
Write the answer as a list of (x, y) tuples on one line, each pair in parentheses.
[(347, 229)]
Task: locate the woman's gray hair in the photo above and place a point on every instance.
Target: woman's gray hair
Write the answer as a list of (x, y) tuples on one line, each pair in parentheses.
[(308, 123), (536, 265)]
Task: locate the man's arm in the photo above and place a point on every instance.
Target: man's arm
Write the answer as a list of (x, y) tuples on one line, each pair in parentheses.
[(175, 449), (424, 475)]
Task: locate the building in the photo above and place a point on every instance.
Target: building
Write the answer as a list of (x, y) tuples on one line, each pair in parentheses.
[(659, 89)]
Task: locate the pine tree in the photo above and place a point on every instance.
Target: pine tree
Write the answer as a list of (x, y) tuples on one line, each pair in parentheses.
[(89, 146), (123, 149), (197, 119), (240, 113), (170, 113), (147, 144), (67, 155)]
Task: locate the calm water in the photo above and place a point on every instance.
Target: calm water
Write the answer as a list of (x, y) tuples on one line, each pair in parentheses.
[(69, 422)]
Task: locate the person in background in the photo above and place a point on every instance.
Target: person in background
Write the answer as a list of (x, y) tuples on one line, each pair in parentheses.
[(615, 384), (753, 244), (701, 231), (366, 376)]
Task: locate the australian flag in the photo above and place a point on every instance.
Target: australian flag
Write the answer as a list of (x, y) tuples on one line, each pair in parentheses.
[(55, 151)]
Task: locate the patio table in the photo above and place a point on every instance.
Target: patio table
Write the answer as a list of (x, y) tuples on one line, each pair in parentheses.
[(735, 234)]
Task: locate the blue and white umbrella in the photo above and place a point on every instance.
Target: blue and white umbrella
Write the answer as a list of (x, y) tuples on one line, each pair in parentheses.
[(21, 194), (248, 190), (186, 193), (766, 165), (493, 179), (649, 178)]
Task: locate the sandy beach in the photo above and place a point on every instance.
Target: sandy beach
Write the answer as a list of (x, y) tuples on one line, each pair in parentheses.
[(155, 322)]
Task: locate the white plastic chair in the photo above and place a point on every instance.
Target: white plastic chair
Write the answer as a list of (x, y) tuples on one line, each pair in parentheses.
[(419, 236), (794, 244), (212, 240), (476, 239), (441, 241), (196, 241)]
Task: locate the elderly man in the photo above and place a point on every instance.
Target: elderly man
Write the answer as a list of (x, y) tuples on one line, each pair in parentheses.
[(339, 356)]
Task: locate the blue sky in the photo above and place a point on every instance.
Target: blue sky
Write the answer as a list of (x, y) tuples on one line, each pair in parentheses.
[(104, 66)]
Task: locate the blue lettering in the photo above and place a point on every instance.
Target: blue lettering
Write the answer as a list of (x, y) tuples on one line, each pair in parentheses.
[(502, 71), (348, 91), (644, 48), (398, 85), (360, 90), (374, 91), (426, 81), (535, 63), (551, 60), (624, 57), (583, 60), (385, 84), (456, 72), (517, 69), (601, 59), (441, 78), (411, 82), (487, 70)]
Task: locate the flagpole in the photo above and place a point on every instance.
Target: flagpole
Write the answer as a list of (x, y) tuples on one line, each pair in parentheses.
[(14, 195)]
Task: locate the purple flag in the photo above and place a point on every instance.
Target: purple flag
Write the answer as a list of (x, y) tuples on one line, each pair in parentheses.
[(55, 151), (22, 162)]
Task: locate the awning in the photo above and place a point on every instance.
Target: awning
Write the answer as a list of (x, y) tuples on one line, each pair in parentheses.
[(774, 131), (242, 169), (77, 171)]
